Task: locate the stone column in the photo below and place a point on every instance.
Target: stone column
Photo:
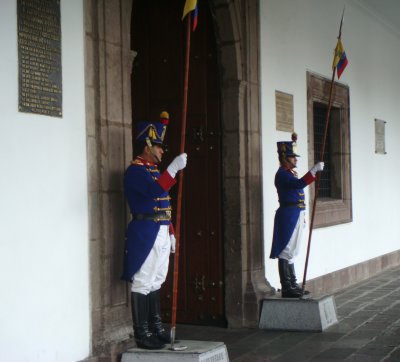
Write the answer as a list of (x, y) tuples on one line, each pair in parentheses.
[(237, 25), (108, 112)]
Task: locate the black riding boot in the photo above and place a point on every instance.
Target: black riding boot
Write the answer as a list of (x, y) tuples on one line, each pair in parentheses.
[(287, 290), (143, 337), (155, 323), (293, 280)]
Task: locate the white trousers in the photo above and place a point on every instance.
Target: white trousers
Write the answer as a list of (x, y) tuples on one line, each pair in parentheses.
[(293, 247), (155, 268)]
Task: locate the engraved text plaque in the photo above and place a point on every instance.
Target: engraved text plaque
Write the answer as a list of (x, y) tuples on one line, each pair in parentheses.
[(284, 111), (39, 57), (380, 137)]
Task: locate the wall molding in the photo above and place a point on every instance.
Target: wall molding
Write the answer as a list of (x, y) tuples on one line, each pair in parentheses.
[(346, 277)]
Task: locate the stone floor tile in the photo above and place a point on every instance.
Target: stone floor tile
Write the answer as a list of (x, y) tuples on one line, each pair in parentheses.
[(391, 359), (341, 327), (334, 354), (396, 353), (363, 333), (373, 349), (305, 351), (251, 357), (270, 350), (327, 336), (362, 358), (387, 340), (352, 342)]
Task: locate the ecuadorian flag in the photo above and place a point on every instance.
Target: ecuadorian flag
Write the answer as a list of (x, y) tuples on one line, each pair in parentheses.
[(191, 5), (339, 60)]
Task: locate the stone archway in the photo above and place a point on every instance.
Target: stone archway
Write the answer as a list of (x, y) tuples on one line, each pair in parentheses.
[(108, 112)]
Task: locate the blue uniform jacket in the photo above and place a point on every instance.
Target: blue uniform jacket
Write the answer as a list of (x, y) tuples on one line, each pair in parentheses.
[(146, 192), (291, 202)]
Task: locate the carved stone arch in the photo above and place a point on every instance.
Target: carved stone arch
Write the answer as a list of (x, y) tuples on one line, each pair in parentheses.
[(108, 66)]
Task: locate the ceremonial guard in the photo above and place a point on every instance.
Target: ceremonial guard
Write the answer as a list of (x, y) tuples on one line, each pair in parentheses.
[(290, 217), (150, 236)]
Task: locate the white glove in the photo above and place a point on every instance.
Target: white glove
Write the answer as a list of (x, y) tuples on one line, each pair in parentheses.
[(177, 164), (173, 243), (319, 166)]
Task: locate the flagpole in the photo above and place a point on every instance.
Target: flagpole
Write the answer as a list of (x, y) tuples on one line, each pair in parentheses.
[(180, 187), (321, 158)]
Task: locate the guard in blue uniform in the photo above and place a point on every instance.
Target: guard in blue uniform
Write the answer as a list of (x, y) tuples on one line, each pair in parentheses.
[(290, 217), (150, 236)]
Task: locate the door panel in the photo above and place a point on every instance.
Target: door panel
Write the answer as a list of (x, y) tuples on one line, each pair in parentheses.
[(158, 37)]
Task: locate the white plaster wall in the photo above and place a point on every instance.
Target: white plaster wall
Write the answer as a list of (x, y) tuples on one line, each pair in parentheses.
[(300, 35), (44, 304)]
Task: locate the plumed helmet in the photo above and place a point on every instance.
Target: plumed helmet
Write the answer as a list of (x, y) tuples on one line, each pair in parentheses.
[(152, 132), (288, 148)]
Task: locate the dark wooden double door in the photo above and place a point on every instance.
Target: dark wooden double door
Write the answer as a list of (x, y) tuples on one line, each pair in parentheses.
[(158, 36)]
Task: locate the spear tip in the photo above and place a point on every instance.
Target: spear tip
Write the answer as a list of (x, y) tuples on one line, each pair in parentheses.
[(341, 22)]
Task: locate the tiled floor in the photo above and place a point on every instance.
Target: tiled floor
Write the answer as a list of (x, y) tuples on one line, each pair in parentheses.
[(368, 330)]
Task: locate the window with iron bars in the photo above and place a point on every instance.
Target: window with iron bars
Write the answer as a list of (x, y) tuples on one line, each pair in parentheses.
[(330, 180), (334, 204)]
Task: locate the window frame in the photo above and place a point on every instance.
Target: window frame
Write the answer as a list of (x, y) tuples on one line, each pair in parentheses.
[(331, 211)]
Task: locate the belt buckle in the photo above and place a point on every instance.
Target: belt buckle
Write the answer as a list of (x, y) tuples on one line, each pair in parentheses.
[(165, 217)]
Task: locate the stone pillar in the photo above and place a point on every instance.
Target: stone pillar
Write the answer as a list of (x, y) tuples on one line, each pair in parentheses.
[(237, 28), (108, 112)]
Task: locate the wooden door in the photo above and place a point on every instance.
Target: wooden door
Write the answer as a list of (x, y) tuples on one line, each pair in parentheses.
[(158, 37)]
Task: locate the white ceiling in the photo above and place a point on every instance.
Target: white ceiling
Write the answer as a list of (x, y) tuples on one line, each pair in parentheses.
[(387, 10)]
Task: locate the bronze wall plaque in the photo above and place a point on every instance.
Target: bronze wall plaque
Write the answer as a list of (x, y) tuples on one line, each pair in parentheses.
[(284, 111), (39, 57), (380, 137)]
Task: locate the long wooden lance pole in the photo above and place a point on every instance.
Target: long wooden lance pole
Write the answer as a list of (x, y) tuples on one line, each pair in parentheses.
[(318, 178), (180, 186), (321, 158)]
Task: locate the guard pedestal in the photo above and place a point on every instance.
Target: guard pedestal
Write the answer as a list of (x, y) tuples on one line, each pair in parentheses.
[(199, 351), (309, 315)]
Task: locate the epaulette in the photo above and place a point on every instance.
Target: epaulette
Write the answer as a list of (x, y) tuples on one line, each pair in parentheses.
[(136, 161)]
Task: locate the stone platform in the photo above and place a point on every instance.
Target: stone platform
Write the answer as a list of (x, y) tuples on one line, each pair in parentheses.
[(199, 351), (309, 315)]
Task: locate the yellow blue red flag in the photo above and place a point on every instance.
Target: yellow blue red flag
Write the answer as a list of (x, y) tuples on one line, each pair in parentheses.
[(340, 60), (191, 5)]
